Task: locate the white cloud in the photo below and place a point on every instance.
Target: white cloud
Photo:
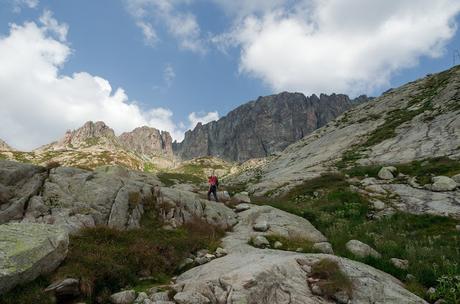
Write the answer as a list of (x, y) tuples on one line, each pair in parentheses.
[(355, 46), (38, 103), (150, 35), (19, 4), (183, 26), (204, 118), (169, 75)]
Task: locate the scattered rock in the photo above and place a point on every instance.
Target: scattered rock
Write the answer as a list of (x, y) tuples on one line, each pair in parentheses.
[(341, 297), (401, 264), (261, 226), (141, 297), (361, 250), (242, 197), (457, 227), (260, 241), (159, 296), (185, 263), (378, 205), (431, 291), (410, 277), (316, 290), (123, 297), (220, 252), (63, 288), (202, 252), (190, 298), (323, 247), (242, 207), (28, 250), (277, 245), (456, 178), (387, 173), (443, 183)]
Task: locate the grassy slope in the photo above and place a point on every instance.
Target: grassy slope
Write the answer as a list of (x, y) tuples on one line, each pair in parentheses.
[(430, 243)]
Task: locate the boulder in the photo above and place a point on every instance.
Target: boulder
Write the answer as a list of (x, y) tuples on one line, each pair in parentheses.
[(260, 241), (242, 207), (278, 277), (443, 183), (399, 263), (387, 173), (28, 251), (323, 247), (361, 250), (65, 288), (261, 226), (277, 245), (220, 252), (159, 296), (242, 197), (456, 178), (123, 297), (190, 298)]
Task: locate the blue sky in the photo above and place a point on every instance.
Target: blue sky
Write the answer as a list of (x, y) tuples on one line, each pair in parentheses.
[(202, 57)]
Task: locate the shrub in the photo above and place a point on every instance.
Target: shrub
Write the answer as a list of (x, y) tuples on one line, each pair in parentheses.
[(331, 278), (106, 259)]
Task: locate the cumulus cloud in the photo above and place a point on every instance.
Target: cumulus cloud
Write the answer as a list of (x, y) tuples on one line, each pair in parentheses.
[(183, 26), (204, 118), (355, 46), (38, 103)]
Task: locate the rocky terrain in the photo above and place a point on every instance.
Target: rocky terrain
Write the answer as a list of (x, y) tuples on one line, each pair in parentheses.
[(95, 144), (262, 127), (366, 209)]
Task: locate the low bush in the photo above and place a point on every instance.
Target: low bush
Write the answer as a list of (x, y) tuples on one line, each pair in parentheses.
[(331, 278)]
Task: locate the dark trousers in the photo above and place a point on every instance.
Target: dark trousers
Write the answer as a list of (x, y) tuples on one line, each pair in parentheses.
[(213, 190)]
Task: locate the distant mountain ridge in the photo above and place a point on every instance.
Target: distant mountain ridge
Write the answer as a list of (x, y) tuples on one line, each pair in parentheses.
[(263, 126), (4, 146)]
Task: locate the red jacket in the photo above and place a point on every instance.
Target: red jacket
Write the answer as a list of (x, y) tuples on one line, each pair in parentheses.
[(213, 181)]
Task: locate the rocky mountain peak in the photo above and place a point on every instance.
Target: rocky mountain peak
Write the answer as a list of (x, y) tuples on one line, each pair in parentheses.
[(4, 146), (90, 134), (147, 141), (262, 127)]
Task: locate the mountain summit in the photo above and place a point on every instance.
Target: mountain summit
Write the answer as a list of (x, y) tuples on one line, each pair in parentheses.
[(262, 127)]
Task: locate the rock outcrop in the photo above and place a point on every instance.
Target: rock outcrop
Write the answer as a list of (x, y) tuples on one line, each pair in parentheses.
[(28, 251), (251, 275), (262, 127), (114, 196), (147, 141)]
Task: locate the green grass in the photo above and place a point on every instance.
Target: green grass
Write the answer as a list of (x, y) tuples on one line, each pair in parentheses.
[(149, 167), (430, 243), (362, 171), (425, 169), (170, 179), (291, 243), (106, 260)]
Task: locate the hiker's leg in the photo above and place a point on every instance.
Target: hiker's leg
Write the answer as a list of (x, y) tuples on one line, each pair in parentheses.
[(209, 194), (215, 194)]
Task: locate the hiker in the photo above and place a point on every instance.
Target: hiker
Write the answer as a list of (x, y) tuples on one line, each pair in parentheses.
[(213, 184)]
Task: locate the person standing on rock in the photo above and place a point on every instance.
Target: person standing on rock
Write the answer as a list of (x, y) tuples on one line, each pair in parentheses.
[(213, 184)]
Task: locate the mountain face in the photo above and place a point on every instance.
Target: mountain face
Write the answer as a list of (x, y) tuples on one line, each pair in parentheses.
[(261, 127), (90, 134), (419, 121), (147, 141), (4, 146)]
